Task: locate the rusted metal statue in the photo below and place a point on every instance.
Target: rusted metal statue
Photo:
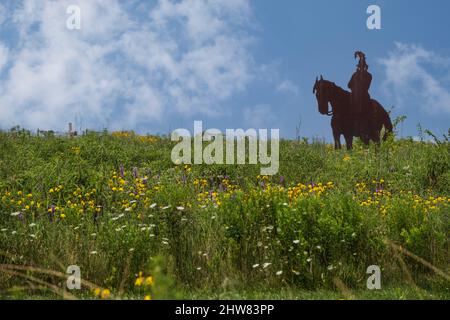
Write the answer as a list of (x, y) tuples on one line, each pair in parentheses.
[(353, 114)]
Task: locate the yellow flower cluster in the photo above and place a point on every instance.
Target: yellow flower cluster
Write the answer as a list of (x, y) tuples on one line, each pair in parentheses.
[(55, 189), (132, 134), (302, 190), (132, 192), (142, 280), (102, 293), (20, 201), (382, 198), (200, 183), (82, 202)]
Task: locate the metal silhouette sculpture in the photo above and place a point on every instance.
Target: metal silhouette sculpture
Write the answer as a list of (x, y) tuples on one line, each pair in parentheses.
[(353, 114)]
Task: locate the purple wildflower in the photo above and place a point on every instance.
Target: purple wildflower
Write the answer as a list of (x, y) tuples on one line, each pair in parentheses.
[(122, 171), (51, 213), (135, 172)]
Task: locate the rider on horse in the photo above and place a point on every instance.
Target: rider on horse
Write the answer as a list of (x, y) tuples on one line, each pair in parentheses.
[(360, 85)]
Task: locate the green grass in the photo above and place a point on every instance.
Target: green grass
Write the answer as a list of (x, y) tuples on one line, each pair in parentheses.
[(222, 231)]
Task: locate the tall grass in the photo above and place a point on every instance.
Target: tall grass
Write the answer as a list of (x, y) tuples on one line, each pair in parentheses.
[(115, 205)]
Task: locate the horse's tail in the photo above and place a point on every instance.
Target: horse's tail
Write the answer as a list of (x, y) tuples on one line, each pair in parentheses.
[(385, 120)]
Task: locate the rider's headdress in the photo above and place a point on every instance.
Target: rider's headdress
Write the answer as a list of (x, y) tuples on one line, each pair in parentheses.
[(362, 60)]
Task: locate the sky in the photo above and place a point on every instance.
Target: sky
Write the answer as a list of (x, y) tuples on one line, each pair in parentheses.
[(153, 66)]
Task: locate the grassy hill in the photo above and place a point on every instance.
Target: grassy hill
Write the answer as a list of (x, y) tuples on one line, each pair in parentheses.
[(140, 226)]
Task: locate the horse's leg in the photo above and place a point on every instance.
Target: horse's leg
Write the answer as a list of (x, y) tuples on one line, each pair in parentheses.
[(336, 133), (349, 141), (337, 140), (375, 136), (365, 135)]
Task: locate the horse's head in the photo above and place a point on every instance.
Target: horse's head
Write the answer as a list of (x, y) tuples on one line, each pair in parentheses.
[(323, 91)]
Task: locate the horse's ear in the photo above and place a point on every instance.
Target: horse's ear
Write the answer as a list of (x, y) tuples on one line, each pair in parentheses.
[(321, 77), (315, 85)]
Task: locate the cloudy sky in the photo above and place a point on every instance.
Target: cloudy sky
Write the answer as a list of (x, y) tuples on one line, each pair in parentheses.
[(156, 65)]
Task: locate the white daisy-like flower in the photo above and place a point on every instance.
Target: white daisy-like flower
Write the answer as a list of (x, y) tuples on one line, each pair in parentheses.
[(279, 273), (118, 217), (153, 205), (15, 214), (296, 241), (166, 207), (31, 225), (93, 252), (180, 208), (255, 265), (266, 264)]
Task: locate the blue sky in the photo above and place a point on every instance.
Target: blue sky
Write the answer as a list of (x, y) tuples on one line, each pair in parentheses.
[(154, 66)]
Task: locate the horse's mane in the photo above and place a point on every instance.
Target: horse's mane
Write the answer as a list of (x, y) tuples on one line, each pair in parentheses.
[(339, 89)]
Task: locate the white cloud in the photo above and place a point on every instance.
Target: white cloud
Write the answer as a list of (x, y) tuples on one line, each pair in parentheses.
[(288, 87), (2, 14), (121, 69), (259, 116), (411, 77), (4, 52)]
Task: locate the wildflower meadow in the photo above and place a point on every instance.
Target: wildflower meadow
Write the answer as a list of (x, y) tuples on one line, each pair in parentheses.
[(139, 226)]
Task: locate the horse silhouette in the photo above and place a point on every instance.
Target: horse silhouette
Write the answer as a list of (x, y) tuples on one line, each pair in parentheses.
[(345, 121)]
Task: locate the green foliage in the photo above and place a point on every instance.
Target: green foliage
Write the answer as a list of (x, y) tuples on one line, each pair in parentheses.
[(327, 215)]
